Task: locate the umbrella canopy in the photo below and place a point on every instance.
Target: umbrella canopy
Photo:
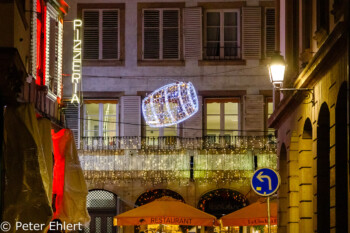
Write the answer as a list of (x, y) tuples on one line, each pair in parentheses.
[(165, 210), (252, 215)]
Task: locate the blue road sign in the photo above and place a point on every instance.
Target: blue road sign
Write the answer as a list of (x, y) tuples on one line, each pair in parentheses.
[(265, 181)]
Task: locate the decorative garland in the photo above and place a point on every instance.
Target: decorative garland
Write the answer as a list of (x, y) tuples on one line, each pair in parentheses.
[(151, 195)]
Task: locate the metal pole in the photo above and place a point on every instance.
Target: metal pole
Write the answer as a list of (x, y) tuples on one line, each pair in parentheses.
[(268, 214)]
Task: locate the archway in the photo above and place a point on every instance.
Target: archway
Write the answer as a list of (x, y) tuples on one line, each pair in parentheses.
[(154, 194), (283, 191), (305, 179), (323, 174), (102, 206), (341, 173), (220, 202)]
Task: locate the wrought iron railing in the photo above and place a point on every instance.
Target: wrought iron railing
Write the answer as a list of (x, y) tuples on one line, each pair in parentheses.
[(178, 143), (222, 53)]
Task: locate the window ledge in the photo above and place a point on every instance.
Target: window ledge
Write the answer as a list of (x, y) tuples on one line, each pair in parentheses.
[(103, 62), (221, 62), (161, 63)]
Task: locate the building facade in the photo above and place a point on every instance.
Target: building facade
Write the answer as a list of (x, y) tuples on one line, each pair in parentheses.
[(130, 49), (313, 126), (31, 64)]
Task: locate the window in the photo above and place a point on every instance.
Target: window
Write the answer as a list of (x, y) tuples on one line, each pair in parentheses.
[(101, 119), (222, 117), (161, 132), (53, 66), (306, 23), (269, 111), (101, 34), (270, 31), (161, 34), (322, 15), (222, 34)]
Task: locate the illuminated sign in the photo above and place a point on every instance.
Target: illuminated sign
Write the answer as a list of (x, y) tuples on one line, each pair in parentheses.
[(76, 66)]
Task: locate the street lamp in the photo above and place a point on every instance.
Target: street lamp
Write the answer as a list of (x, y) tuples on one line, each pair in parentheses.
[(277, 68)]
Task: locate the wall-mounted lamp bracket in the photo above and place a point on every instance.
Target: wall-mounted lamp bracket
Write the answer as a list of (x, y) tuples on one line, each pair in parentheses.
[(310, 92)]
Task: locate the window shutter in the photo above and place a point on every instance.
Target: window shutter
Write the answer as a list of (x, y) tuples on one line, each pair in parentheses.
[(270, 31), (151, 35), (171, 34), (251, 32), (34, 39), (91, 35), (193, 32), (253, 113), (110, 40), (59, 59), (193, 125), (72, 120), (130, 116)]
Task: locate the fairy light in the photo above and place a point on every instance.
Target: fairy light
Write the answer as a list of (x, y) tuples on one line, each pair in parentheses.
[(120, 160), (170, 104)]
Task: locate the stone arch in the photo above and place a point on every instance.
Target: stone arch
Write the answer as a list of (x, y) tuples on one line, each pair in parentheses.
[(341, 161), (323, 173), (102, 206), (222, 201), (306, 179), (283, 191), (307, 131), (154, 194)]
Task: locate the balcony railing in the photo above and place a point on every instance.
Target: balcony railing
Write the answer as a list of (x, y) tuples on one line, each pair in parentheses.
[(155, 160), (222, 53), (178, 143)]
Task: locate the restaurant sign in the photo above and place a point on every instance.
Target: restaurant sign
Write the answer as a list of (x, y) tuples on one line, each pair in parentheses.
[(171, 220), (76, 66)]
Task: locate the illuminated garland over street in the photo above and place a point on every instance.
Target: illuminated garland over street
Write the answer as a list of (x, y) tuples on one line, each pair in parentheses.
[(170, 104)]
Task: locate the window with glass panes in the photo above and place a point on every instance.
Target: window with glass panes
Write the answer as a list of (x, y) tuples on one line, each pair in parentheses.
[(101, 119), (222, 117), (269, 112), (222, 39)]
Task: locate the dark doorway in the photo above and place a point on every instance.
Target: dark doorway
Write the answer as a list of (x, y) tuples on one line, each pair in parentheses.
[(102, 206), (323, 177), (220, 202), (341, 149)]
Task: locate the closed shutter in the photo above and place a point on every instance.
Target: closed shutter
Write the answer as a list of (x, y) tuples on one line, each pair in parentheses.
[(151, 36), (72, 120), (91, 34), (193, 126), (253, 113), (34, 39), (251, 32), (170, 34), (270, 31), (193, 32), (130, 116), (110, 37)]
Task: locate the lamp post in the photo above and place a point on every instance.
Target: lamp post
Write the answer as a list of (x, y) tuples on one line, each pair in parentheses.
[(277, 69)]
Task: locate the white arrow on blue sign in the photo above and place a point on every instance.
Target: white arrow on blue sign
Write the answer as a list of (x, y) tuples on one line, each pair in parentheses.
[(265, 181)]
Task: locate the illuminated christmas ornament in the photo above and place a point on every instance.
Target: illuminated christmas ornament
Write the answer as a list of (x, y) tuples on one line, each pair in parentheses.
[(170, 104)]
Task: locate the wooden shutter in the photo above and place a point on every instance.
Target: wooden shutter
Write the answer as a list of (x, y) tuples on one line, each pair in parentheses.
[(170, 34), (193, 32), (270, 31), (72, 120), (151, 35), (251, 32), (91, 34), (193, 126), (110, 37), (130, 116), (253, 113), (34, 39)]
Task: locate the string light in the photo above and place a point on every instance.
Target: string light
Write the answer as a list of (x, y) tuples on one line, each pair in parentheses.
[(170, 104), (121, 160)]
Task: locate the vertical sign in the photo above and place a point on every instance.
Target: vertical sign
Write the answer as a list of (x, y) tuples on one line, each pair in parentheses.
[(76, 66)]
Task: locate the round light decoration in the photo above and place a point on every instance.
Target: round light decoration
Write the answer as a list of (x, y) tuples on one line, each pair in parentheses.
[(170, 104)]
